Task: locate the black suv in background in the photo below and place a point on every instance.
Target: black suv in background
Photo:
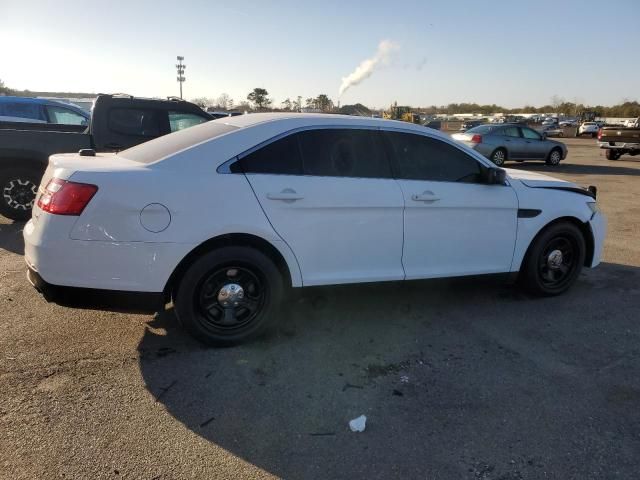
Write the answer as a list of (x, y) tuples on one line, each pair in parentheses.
[(117, 122)]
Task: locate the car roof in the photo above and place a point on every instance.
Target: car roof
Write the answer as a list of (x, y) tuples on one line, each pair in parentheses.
[(320, 119)]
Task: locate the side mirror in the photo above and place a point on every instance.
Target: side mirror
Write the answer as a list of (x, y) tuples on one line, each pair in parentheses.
[(543, 135), (496, 176)]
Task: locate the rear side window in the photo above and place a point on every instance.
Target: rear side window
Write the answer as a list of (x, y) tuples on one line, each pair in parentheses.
[(343, 153), (279, 157), (182, 120), (135, 122), (510, 132), (416, 157)]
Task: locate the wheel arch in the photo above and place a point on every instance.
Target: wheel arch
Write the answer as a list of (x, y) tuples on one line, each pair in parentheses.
[(234, 239), (584, 228)]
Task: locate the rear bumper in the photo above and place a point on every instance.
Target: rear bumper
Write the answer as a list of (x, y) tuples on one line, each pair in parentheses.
[(111, 300), (620, 145)]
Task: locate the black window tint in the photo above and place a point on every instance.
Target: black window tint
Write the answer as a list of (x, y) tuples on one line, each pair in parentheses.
[(279, 157), (417, 157), (511, 132), (343, 153), (136, 122)]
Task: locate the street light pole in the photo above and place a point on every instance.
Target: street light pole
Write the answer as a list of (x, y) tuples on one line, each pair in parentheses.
[(180, 67)]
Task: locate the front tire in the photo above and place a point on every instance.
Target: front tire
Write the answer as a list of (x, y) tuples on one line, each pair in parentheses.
[(18, 189), (498, 157), (554, 260), (229, 295), (554, 157)]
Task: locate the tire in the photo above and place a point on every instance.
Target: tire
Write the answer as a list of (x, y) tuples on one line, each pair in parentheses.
[(499, 156), (554, 157), (210, 306), (611, 154), (545, 273), (18, 188)]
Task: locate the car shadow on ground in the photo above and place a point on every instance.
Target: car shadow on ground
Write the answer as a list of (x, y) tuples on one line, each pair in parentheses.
[(458, 379), (570, 168), (11, 237)]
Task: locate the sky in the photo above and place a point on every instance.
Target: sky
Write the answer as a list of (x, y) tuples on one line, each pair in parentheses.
[(510, 53)]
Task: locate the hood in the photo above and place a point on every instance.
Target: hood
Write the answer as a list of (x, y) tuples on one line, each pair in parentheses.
[(538, 180), (533, 179)]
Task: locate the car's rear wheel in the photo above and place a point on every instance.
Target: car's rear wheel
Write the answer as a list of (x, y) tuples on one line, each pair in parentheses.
[(554, 157), (229, 295), (611, 154), (18, 189), (554, 260), (499, 156)]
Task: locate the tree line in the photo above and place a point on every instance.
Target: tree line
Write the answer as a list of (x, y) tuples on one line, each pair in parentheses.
[(258, 100)]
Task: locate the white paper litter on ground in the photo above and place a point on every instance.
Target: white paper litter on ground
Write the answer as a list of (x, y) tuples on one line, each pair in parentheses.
[(358, 424)]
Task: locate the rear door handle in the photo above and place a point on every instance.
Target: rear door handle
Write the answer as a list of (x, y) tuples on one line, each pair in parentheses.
[(427, 196), (287, 195)]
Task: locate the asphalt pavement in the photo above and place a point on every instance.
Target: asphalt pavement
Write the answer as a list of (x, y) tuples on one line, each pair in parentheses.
[(459, 379)]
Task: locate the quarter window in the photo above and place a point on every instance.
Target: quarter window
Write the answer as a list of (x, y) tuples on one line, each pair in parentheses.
[(417, 157), (135, 122)]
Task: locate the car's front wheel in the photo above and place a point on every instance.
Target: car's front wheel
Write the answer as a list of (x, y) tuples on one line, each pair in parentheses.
[(18, 189), (228, 295), (498, 157), (554, 260), (554, 157)]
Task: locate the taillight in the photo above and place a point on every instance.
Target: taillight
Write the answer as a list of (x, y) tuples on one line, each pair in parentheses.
[(599, 133), (62, 197), (476, 138)]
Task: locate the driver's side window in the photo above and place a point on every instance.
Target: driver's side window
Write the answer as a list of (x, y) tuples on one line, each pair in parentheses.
[(417, 157)]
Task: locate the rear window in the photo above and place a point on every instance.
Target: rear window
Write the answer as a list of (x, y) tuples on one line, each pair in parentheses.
[(167, 145), (481, 129), (135, 122), (589, 123)]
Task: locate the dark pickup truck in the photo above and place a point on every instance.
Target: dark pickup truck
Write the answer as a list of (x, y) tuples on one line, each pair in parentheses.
[(618, 141), (117, 122)]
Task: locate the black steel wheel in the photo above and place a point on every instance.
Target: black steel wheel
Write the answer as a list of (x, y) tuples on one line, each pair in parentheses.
[(18, 189), (554, 260), (611, 154), (229, 295)]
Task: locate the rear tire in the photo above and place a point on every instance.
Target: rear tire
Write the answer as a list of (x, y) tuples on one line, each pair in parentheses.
[(554, 157), (229, 295), (611, 154), (545, 271), (499, 156), (18, 189)]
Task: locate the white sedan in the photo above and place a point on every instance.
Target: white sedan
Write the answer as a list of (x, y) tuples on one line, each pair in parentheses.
[(224, 217)]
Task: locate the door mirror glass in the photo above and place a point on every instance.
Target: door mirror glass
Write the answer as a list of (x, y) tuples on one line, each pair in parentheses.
[(496, 176)]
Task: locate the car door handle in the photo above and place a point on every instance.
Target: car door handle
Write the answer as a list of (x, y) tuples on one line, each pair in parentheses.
[(286, 195), (424, 197)]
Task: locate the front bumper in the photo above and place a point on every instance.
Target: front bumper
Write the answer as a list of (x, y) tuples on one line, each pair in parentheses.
[(598, 225), (111, 300)]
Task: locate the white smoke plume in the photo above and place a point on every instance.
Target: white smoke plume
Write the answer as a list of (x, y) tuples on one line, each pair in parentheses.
[(367, 67)]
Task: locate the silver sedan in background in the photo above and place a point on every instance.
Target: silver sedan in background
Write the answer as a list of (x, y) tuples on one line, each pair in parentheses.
[(500, 143)]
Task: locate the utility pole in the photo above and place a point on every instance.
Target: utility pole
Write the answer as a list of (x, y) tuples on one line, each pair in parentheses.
[(180, 67)]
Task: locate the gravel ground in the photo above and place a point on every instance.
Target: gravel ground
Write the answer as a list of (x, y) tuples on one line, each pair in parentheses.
[(459, 379)]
